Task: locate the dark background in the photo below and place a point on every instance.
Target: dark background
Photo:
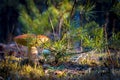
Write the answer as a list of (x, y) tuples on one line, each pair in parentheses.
[(10, 26)]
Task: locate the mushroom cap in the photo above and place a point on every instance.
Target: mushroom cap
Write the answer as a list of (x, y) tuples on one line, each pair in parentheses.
[(42, 39), (30, 39), (24, 39)]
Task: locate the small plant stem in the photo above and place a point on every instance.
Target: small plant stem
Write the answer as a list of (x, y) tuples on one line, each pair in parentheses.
[(52, 26), (106, 38)]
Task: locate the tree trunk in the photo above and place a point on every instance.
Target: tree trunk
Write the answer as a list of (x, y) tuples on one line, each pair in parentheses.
[(73, 8), (60, 27), (81, 25)]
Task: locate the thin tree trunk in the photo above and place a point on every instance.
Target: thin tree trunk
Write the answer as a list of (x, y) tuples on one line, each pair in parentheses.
[(73, 8), (81, 25), (60, 27), (105, 29), (52, 26), (107, 48), (113, 28)]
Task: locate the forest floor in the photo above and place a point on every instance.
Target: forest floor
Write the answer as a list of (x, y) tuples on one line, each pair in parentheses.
[(84, 66), (90, 66)]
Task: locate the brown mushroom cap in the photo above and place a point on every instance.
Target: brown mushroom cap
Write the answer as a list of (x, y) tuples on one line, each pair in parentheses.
[(31, 39), (43, 38)]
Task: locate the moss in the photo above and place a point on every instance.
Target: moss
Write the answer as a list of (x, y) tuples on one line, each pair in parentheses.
[(7, 67)]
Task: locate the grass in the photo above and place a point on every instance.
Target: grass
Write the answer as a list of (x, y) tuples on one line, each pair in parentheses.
[(96, 70)]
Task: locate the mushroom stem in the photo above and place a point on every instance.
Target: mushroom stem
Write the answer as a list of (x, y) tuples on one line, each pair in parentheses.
[(32, 53)]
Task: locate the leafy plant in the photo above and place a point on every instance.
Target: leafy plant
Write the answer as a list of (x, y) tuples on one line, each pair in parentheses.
[(32, 20), (115, 41), (91, 35), (86, 12), (116, 8), (57, 48)]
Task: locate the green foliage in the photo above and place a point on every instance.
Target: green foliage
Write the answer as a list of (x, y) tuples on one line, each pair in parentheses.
[(114, 41), (86, 11), (64, 9), (32, 20), (116, 8), (39, 23), (24, 18), (50, 14), (58, 48), (91, 35)]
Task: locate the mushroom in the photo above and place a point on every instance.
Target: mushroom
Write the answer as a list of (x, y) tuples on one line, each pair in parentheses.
[(31, 41)]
